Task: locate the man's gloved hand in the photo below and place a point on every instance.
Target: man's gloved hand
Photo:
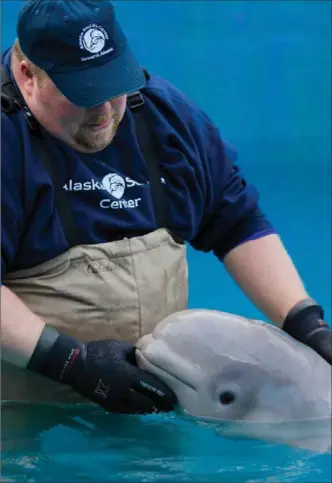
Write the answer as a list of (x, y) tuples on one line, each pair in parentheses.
[(103, 371), (305, 323)]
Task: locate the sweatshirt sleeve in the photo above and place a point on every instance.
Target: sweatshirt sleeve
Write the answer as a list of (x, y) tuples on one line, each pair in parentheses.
[(232, 214), (12, 208)]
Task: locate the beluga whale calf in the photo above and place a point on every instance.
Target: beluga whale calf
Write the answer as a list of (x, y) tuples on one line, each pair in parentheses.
[(246, 377)]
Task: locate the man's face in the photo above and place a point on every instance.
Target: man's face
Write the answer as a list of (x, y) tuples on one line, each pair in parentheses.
[(86, 130)]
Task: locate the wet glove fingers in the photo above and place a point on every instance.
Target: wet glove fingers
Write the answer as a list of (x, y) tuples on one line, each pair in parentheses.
[(156, 391), (140, 403), (321, 342)]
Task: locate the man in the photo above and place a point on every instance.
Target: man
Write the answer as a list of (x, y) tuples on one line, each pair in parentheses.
[(93, 241)]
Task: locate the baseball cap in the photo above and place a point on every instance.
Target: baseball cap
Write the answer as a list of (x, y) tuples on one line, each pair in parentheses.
[(81, 46)]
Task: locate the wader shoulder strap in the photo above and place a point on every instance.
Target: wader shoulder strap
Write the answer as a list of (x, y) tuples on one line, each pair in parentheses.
[(136, 105), (10, 101), (149, 149)]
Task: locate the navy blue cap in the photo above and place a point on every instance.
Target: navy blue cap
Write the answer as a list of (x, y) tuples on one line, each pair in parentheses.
[(81, 46)]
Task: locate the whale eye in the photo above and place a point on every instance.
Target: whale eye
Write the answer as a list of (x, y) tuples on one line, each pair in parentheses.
[(227, 397)]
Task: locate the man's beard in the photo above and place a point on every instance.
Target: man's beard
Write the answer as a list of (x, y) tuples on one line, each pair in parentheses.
[(89, 140)]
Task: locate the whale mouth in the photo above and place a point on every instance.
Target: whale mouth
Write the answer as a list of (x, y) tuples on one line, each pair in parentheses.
[(162, 372)]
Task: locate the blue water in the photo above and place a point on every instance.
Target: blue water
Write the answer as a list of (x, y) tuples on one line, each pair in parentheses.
[(86, 445), (262, 71)]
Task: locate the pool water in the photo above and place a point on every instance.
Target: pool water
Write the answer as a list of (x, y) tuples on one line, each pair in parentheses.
[(262, 71), (87, 445)]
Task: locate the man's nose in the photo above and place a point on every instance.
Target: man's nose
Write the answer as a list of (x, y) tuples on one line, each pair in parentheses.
[(100, 109)]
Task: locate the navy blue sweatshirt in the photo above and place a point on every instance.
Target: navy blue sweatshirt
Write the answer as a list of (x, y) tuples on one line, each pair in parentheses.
[(209, 204)]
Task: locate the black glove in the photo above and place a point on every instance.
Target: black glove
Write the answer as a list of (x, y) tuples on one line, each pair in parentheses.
[(305, 323), (103, 371)]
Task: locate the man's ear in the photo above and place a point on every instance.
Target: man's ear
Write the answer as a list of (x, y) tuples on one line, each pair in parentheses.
[(27, 78)]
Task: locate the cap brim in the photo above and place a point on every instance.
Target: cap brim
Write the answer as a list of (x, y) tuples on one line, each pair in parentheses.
[(95, 85)]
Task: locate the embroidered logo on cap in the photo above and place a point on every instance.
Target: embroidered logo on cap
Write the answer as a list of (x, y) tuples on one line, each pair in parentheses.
[(93, 39)]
